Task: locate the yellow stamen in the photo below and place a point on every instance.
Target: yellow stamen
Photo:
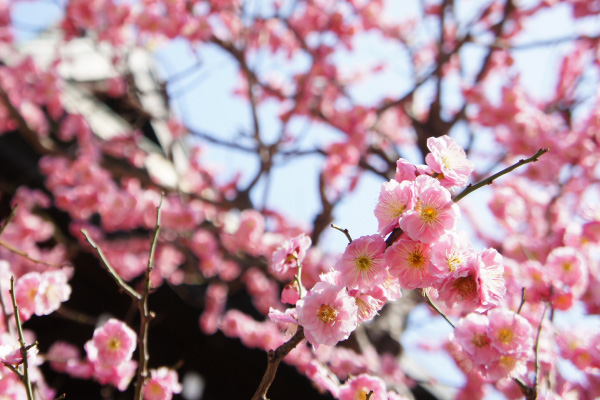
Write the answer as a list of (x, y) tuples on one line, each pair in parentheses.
[(114, 343), (505, 335), (363, 263), (327, 314), (416, 259)]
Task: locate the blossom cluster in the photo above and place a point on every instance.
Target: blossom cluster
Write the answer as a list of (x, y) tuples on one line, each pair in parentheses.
[(428, 253), (109, 361), (496, 345)]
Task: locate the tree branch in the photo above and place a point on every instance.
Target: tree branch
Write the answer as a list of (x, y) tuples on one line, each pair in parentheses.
[(488, 181), (25, 376), (145, 314), (120, 282), (273, 360)]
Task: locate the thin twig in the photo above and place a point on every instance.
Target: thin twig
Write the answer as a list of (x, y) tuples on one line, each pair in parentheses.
[(536, 381), (369, 395), (27, 256), (145, 314), (488, 181), (122, 284), (25, 377), (522, 300), (273, 360), (527, 391), (298, 277), (5, 313), (432, 304), (344, 231), (12, 214)]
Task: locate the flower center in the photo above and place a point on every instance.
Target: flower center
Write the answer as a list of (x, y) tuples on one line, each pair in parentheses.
[(447, 162), (508, 362), (466, 287), (416, 259), (361, 394), (480, 340), (363, 263), (292, 257), (505, 335), (114, 343), (453, 262), (396, 210), (428, 213), (567, 266), (327, 314)]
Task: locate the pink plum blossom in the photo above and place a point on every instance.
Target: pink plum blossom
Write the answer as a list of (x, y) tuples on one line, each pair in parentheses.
[(359, 387), (368, 303), (11, 354), (216, 296), (567, 268), (391, 288), (478, 286), (290, 253), (26, 290), (287, 320), (449, 253), (61, 354), (511, 365), (119, 375), (449, 160), (113, 343), (472, 334), (394, 199), (327, 313), (290, 293), (409, 261), (509, 332), (407, 171), (434, 211), (163, 383), (362, 266), (53, 291)]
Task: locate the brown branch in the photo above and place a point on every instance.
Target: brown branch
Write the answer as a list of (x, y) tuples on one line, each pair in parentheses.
[(27, 256), (12, 214), (145, 314), (120, 282), (273, 360), (536, 382), (344, 231), (522, 300), (488, 181), (5, 313), (25, 376), (396, 233)]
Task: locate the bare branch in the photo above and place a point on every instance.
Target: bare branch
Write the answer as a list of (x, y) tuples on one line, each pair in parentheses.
[(25, 376), (12, 214), (432, 304), (27, 256), (344, 231), (488, 181), (145, 314), (120, 282), (273, 360)]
